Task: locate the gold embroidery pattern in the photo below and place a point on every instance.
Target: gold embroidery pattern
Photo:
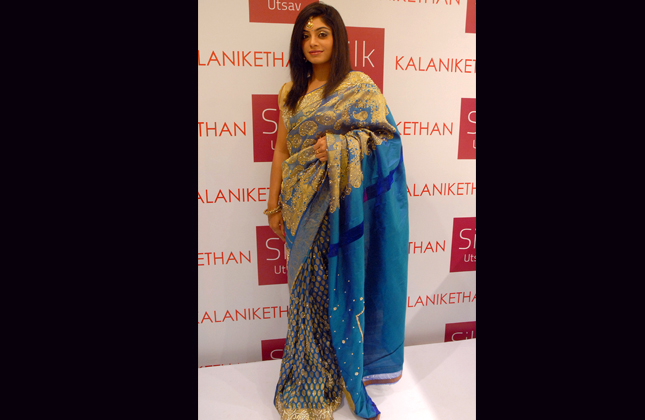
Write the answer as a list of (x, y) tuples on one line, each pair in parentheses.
[(308, 413), (362, 116), (355, 106), (308, 128), (294, 141), (359, 323), (302, 175), (344, 166), (310, 384), (326, 118)]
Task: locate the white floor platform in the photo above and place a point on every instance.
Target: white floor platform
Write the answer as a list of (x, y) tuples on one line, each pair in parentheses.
[(438, 383)]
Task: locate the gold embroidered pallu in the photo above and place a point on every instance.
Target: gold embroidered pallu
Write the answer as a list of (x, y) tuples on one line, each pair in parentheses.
[(354, 117)]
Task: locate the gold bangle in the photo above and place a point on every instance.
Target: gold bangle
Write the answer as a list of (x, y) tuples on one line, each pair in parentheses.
[(274, 211)]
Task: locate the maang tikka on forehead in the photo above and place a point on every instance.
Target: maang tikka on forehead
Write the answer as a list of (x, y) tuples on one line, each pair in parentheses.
[(310, 23)]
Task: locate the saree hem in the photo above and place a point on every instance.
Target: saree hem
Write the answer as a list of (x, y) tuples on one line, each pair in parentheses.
[(382, 379), (308, 413)]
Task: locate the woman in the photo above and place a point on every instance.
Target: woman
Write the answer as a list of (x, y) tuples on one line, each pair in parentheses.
[(338, 199)]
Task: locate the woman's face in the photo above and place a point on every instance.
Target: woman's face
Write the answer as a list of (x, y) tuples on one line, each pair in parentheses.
[(317, 42)]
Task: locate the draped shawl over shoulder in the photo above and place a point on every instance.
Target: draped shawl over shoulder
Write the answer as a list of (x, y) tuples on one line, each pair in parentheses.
[(363, 189)]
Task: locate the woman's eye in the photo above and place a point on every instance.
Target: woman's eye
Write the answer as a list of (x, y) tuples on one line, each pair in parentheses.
[(322, 34)]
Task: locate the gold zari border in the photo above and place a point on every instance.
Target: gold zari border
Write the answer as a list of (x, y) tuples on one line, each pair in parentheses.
[(308, 413)]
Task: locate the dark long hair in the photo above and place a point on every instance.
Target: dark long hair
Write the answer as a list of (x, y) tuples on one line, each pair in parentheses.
[(300, 68)]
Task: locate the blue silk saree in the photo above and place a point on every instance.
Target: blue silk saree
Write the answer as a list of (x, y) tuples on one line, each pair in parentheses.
[(346, 225)]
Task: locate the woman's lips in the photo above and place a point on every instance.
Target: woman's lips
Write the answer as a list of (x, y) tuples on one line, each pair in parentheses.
[(314, 52)]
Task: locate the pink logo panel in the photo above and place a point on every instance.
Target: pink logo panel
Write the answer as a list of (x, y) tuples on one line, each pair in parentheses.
[(467, 129), (265, 126), (272, 262), (275, 11), (463, 254), (470, 17), (273, 349), (460, 331), (367, 52)]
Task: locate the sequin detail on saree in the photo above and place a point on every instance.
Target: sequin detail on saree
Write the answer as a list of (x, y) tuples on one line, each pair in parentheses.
[(310, 384)]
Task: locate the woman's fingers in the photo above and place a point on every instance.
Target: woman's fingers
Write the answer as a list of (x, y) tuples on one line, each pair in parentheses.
[(322, 156), (320, 148), (321, 144), (277, 225), (280, 232)]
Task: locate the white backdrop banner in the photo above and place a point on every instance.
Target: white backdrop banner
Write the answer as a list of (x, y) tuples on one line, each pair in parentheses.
[(421, 54)]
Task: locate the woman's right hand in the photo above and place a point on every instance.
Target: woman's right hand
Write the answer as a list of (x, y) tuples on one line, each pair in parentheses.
[(320, 148), (277, 225)]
